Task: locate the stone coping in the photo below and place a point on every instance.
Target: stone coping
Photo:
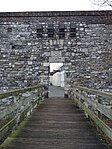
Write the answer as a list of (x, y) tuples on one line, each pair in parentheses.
[(56, 13)]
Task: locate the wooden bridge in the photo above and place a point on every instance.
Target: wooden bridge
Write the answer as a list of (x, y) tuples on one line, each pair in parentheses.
[(82, 121)]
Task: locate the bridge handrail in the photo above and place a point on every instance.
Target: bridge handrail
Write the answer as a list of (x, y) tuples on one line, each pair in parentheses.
[(29, 103), (100, 93), (98, 110), (17, 91)]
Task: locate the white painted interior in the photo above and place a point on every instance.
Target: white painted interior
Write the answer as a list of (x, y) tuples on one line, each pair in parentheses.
[(58, 79)]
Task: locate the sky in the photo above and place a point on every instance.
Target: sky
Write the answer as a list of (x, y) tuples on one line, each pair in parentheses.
[(48, 5), (55, 66)]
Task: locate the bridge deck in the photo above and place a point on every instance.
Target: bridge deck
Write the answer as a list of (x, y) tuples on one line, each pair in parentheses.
[(58, 124)]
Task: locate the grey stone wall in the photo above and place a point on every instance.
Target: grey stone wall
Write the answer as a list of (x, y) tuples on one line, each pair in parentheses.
[(28, 40)]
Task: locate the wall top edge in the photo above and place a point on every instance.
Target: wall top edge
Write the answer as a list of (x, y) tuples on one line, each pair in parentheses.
[(56, 13)]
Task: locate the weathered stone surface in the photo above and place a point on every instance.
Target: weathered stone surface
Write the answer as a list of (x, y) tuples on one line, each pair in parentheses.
[(83, 38)]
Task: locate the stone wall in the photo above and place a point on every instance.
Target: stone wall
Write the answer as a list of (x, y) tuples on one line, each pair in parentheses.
[(82, 40)]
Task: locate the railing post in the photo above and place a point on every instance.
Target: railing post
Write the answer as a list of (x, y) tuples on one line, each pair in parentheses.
[(97, 105), (21, 104)]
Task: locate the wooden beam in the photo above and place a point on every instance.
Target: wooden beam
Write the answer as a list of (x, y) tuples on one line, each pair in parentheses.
[(105, 129)]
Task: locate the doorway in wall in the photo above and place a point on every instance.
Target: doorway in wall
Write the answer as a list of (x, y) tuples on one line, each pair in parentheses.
[(56, 80)]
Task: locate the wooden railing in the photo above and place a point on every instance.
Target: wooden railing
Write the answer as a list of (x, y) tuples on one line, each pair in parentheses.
[(16, 105), (97, 105)]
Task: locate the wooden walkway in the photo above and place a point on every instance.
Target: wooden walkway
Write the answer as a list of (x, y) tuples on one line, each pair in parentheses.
[(58, 124)]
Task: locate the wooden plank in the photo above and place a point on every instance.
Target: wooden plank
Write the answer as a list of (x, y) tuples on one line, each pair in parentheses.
[(72, 133), (97, 92), (106, 129), (17, 91), (102, 108), (13, 123), (12, 108)]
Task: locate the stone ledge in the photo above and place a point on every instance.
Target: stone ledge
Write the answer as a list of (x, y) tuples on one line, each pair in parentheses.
[(56, 13)]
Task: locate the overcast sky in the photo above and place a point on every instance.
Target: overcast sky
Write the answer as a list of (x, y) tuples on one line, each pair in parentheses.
[(55, 66), (47, 5)]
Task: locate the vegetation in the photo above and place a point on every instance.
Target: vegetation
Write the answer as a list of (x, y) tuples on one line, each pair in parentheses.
[(103, 3)]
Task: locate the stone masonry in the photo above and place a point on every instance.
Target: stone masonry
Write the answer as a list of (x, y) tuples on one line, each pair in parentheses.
[(81, 40)]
